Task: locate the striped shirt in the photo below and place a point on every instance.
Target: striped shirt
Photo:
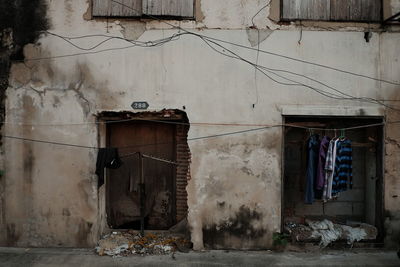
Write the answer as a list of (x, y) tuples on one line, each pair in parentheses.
[(343, 177), (329, 169)]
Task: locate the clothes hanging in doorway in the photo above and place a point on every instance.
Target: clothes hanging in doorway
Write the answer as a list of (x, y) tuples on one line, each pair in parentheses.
[(343, 178), (329, 168), (106, 158), (313, 145)]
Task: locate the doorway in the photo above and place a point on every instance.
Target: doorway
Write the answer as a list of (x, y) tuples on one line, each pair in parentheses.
[(159, 137), (364, 202)]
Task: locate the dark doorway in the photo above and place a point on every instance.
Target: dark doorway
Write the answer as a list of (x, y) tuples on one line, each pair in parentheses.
[(364, 203), (156, 139), (159, 139)]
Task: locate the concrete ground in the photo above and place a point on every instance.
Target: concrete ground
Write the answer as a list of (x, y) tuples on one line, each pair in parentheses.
[(84, 257)]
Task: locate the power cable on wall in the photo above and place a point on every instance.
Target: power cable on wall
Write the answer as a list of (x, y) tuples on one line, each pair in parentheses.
[(340, 96), (154, 43), (263, 51), (207, 136), (258, 51), (235, 44), (165, 40), (322, 92)]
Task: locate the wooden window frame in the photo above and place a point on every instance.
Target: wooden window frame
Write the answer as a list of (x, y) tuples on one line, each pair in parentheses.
[(276, 15), (143, 15)]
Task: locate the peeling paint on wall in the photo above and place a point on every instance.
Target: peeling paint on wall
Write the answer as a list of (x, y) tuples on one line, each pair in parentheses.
[(235, 188), (257, 36), (132, 30)]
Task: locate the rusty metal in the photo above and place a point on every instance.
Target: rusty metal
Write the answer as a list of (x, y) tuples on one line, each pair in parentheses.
[(142, 186), (160, 159), (142, 194)]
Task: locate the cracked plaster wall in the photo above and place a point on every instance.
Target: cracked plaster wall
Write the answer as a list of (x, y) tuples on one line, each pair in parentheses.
[(390, 68), (51, 193)]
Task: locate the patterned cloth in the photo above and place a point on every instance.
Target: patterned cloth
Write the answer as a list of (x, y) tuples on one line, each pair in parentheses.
[(323, 150), (329, 169), (343, 177)]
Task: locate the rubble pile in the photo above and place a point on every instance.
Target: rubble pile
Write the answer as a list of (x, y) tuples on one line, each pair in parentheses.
[(327, 232), (130, 242)]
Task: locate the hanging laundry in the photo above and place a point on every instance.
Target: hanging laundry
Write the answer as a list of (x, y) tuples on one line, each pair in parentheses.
[(343, 178), (313, 145), (106, 158), (329, 169), (320, 181)]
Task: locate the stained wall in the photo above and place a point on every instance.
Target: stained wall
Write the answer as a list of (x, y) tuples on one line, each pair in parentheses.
[(234, 195)]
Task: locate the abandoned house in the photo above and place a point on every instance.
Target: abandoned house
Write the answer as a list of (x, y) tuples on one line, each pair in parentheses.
[(205, 109)]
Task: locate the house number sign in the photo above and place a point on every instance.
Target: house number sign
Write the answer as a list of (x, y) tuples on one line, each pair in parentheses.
[(140, 105)]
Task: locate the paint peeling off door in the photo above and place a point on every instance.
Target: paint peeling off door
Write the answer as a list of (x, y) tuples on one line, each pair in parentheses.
[(123, 199)]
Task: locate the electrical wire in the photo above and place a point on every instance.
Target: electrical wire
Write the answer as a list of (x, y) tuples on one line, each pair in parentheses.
[(255, 49), (165, 40), (207, 136), (258, 12), (235, 56), (296, 83)]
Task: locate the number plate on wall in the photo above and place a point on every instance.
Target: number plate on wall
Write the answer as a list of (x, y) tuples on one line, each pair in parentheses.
[(140, 105)]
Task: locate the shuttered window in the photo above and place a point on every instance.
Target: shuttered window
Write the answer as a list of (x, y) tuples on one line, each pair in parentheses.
[(141, 8), (332, 10)]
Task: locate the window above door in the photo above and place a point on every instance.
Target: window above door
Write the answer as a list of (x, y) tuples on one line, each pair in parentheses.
[(183, 9)]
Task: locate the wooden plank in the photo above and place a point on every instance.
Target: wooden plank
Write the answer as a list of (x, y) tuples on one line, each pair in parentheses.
[(321, 10), (306, 9), (170, 8), (371, 10), (100, 7), (124, 8), (340, 10), (174, 8), (316, 9), (152, 7), (356, 10), (116, 8), (290, 9), (187, 8)]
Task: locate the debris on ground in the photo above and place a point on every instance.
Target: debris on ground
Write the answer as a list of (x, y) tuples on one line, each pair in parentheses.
[(130, 242), (327, 232)]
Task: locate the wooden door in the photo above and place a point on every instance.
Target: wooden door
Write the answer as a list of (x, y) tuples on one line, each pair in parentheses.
[(123, 199)]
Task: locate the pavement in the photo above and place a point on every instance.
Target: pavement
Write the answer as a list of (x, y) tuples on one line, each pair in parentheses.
[(86, 257)]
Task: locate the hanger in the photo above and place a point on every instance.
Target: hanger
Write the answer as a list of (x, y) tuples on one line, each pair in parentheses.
[(342, 134)]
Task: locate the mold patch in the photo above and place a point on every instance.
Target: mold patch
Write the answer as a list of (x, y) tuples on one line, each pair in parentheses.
[(84, 230), (26, 18), (241, 226)]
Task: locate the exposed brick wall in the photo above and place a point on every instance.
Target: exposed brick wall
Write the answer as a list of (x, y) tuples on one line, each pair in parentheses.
[(182, 171)]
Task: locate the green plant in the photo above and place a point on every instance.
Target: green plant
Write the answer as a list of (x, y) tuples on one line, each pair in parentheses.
[(280, 239)]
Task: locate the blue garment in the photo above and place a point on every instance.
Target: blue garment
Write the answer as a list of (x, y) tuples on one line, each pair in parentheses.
[(313, 145), (343, 178)]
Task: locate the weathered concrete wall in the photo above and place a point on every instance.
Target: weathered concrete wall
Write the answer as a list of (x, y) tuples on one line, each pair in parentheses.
[(20, 24), (390, 61), (234, 196)]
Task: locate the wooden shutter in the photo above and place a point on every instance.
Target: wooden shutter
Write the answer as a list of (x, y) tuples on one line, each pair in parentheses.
[(356, 10), (117, 8), (334, 10), (305, 9), (175, 8)]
